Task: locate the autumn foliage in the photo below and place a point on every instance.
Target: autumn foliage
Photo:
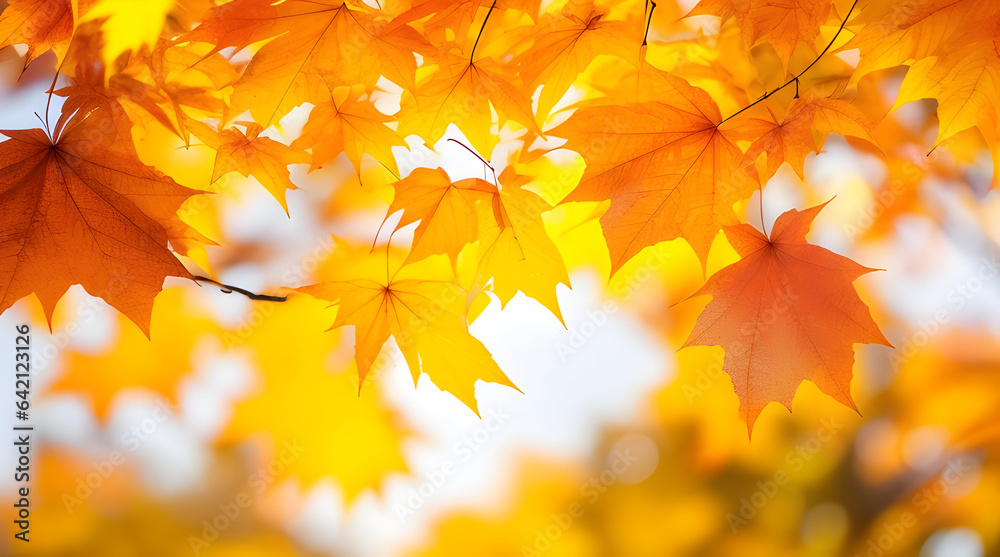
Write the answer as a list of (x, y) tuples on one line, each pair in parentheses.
[(674, 139), (496, 198)]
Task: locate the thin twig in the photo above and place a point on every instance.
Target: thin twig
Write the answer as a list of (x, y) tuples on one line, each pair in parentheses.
[(228, 288), (488, 165)]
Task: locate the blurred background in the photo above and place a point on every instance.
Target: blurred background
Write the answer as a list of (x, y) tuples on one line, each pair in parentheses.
[(240, 428)]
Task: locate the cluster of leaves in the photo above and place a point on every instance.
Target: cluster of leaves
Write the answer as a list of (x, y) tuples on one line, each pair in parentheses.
[(79, 207)]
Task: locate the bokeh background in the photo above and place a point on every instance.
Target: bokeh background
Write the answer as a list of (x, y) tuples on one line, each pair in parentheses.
[(240, 428)]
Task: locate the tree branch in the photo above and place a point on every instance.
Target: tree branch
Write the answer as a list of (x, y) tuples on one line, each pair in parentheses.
[(228, 289)]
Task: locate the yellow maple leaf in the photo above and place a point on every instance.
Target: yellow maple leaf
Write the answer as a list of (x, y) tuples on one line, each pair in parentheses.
[(515, 251), (462, 92), (421, 307)]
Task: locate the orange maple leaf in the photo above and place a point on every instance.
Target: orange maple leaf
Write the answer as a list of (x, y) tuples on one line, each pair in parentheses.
[(42, 26), (784, 313), (803, 130), (249, 154), (158, 85), (351, 125), (565, 45), (447, 211), (668, 168), (82, 209), (784, 24), (951, 48), (317, 45), (896, 33)]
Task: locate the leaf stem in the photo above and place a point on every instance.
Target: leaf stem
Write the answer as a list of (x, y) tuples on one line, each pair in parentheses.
[(648, 23), (52, 89), (473, 53), (469, 149), (388, 246), (763, 226), (227, 289), (795, 79)]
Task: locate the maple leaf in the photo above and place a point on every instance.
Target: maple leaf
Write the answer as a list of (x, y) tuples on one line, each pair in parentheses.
[(565, 45), (896, 33), (965, 82), (347, 124), (249, 154), (951, 48), (422, 308), (803, 130), (447, 211), (42, 25), (82, 209), (185, 80), (317, 45), (160, 86), (461, 92), (784, 313), (515, 251), (784, 24), (667, 166)]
